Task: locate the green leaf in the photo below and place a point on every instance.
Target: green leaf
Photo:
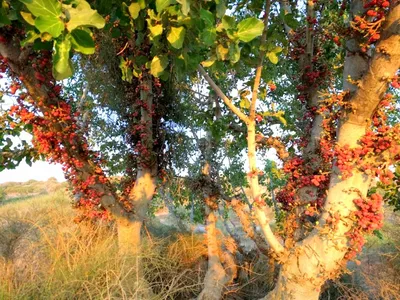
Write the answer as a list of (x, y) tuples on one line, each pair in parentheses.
[(134, 10), (50, 24), (208, 36), (378, 234), (234, 53), (207, 17), (83, 15), (228, 22), (4, 16), (272, 57), (291, 21), (185, 6), (142, 4), (222, 52), (244, 103), (31, 36), (62, 67), (156, 30), (82, 41), (158, 65), (249, 28), (176, 36), (44, 8), (28, 18), (162, 4), (221, 8)]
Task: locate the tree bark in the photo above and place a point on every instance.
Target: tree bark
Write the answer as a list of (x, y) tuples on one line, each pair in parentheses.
[(145, 185), (321, 255), (216, 277)]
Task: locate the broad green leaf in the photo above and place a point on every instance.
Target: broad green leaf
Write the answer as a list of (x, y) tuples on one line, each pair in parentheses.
[(158, 65), (140, 60), (83, 15), (50, 24), (31, 36), (4, 14), (222, 52), (185, 6), (82, 41), (176, 36), (156, 30), (134, 10), (234, 53), (142, 4), (228, 22), (249, 28), (208, 36), (244, 103), (291, 21), (272, 57), (44, 8), (28, 18), (207, 17), (162, 4), (62, 66), (221, 8)]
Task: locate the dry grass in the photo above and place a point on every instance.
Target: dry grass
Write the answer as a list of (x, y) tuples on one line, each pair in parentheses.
[(45, 256)]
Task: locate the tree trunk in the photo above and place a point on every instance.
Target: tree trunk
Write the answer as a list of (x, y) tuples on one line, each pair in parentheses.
[(129, 237), (142, 193), (216, 278), (286, 289)]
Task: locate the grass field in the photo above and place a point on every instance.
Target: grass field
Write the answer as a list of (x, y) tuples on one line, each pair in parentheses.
[(44, 255)]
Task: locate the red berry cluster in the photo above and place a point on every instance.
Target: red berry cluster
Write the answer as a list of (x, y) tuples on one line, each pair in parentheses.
[(55, 131), (369, 24), (368, 217)]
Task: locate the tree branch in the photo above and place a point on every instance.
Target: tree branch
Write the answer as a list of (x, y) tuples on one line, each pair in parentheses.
[(266, 229), (257, 78), (385, 63), (220, 93)]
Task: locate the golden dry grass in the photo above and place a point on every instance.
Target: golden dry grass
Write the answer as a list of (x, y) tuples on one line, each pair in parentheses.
[(44, 255)]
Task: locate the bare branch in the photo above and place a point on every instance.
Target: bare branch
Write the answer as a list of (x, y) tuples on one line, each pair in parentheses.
[(228, 102)]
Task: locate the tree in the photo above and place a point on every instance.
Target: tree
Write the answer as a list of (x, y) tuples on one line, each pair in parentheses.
[(332, 97)]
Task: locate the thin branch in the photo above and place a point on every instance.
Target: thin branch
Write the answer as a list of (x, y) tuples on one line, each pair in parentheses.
[(228, 102), (257, 78), (271, 239)]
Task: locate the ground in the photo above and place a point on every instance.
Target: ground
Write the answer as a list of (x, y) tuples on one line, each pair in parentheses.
[(45, 255)]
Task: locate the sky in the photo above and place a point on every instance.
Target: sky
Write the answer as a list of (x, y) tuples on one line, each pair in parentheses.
[(40, 171)]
